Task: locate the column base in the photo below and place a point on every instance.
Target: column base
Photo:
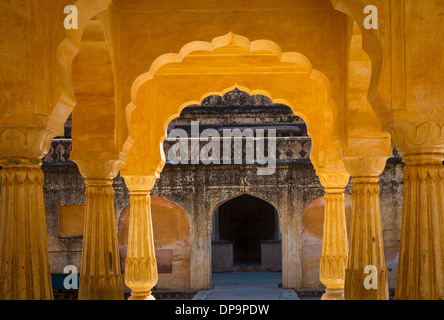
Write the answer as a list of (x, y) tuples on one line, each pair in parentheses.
[(333, 294), (141, 296)]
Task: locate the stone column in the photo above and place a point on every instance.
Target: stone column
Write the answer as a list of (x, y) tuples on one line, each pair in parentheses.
[(366, 243), (141, 265), (421, 256), (24, 267), (335, 243), (100, 276), (24, 259)]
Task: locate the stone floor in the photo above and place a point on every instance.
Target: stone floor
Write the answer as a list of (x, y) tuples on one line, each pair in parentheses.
[(247, 286)]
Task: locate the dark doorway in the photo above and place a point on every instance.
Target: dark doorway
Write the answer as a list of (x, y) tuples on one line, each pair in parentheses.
[(246, 234)]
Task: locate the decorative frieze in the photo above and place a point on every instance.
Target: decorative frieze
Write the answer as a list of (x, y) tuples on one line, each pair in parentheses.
[(59, 152), (287, 149)]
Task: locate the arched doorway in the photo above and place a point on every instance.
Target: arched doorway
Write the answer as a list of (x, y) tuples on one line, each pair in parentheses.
[(246, 236), (246, 247)]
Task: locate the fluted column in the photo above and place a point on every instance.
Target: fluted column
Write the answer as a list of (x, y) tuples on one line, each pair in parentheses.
[(421, 256), (100, 276), (24, 259), (141, 265), (366, 242), (335, 244)]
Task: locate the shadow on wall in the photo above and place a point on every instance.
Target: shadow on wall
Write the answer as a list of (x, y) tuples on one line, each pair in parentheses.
[(171, 239)]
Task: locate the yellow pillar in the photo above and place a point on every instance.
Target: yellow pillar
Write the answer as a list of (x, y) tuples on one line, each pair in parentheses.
[(100, 276), (141, 265), (421, 256), (335, 244), (24, 267), (366, 243)]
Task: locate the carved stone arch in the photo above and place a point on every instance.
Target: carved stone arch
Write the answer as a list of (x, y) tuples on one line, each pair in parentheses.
[(317, 114)]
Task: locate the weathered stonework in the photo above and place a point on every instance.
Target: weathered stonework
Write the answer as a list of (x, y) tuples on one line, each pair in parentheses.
[(199, 190)]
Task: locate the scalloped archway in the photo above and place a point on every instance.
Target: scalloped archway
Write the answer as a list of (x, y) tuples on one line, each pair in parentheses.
[(257, 67)]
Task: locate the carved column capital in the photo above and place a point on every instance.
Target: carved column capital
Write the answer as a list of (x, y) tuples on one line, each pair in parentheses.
[(25, 143), (365, 166), (140, 184), (419, 137), (97, 169), (332, 181)]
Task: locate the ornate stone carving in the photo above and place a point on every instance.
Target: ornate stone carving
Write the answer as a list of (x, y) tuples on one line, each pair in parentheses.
[(237, 98), (419, 137), (96, 169), (25, 143), (59, 152), (288, 149), (365, 166), (23, 240), (335, 243), (335, 180), (138, 184)]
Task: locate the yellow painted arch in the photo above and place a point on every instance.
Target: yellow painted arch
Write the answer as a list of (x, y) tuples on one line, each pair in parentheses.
[(155, 102)]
